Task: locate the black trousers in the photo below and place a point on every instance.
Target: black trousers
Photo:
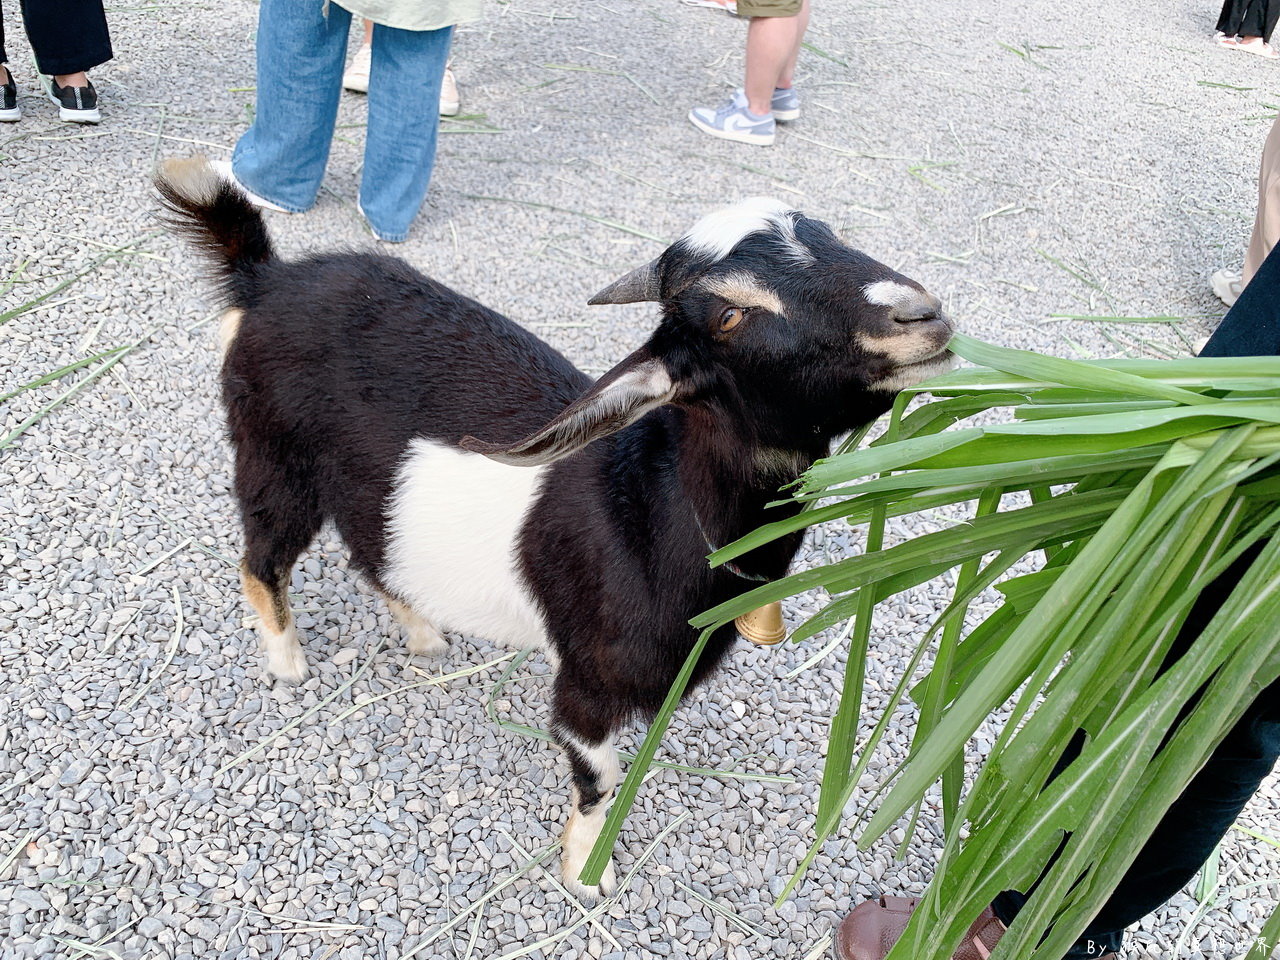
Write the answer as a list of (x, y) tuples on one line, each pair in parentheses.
[(67, 36), (1198, 819), (1249, 18)]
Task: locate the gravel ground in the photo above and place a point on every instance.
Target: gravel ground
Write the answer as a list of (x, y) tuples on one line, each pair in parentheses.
[(160, 798)]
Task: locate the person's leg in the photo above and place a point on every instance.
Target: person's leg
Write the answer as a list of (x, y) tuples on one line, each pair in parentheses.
[(1198, 819), (772, 43), (786, 79), (404, 118), (1266, 224), (68, 37), (1201, 815), (1251, 20), (1252, 326), (1229, 19), (282, 156)]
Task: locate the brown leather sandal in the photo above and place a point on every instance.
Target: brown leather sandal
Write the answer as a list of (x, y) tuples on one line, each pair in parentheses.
[(871, 930)]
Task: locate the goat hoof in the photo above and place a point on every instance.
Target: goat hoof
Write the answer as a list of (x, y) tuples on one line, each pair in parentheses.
[(426, 642), (607, 887), (288, 665)]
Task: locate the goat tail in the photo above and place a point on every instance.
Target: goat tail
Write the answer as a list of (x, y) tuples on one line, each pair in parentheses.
[(216, 216)]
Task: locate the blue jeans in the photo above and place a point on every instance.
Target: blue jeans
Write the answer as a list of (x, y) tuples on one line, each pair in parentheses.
[(301, 54)]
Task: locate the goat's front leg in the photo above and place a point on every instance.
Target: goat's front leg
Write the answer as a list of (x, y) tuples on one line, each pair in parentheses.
[(585, 736)]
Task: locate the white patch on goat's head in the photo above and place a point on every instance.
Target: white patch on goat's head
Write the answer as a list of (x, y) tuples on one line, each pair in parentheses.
[(743, 290), (889, 293), (718, 233)]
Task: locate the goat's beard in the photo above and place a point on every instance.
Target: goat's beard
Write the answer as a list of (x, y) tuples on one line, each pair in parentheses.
[(911, 374)]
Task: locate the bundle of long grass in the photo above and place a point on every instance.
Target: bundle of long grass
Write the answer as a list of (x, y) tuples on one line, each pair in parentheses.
[(1137, 483)]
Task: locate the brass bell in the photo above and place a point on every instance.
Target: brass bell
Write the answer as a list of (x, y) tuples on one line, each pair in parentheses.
[(763, 626)]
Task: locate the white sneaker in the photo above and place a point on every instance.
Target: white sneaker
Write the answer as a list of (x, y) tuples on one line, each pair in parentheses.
[(449, 102), (223, 169), (356, 79), (732, 121), (1227, 284), (357, 76)]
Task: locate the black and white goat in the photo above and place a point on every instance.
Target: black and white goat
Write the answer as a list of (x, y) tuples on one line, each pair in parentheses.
[(487, 486)]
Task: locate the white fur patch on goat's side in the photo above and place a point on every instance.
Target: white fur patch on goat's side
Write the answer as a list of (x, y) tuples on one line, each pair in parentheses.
[(890, 293), (228, 327), (744, 290), (718, 233), (453, 523)]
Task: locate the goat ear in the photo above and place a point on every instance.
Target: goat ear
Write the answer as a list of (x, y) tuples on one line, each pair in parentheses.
[(635, 386), (641, 285)]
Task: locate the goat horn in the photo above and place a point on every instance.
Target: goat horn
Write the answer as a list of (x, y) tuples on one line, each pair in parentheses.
[(638, 286)]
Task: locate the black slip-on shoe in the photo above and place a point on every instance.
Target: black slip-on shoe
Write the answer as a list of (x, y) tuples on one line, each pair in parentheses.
[(75, 104), (9, 109)]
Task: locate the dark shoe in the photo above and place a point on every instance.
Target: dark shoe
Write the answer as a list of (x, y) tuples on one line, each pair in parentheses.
[(75, 104), (871, 930), (9, 109)]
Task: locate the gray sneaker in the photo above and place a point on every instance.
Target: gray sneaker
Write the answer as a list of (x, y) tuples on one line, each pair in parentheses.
[(785, 105), (733, 121)]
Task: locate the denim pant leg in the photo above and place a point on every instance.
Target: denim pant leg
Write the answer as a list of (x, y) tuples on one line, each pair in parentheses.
[(301, 51), (404, 117)]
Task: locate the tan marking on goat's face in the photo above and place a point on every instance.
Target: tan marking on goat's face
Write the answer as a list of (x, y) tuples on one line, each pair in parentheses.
[(903, 348), (743, 290), (228, 327)]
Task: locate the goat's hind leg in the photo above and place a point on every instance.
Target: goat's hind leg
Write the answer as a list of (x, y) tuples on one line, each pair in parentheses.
[(588, 743), (280, 643), (278, 526)]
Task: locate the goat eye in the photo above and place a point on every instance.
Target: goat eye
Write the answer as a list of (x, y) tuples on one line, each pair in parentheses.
[(730, 318)]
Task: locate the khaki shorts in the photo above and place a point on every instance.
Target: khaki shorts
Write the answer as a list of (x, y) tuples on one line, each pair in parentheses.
[(768, 8)]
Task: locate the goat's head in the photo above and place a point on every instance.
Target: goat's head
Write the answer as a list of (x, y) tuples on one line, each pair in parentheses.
[(768, 318)]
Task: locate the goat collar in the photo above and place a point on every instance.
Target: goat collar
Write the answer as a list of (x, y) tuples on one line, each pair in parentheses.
[(733, 568)]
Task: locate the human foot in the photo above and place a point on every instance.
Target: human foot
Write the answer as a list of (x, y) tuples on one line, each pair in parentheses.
[(1227, 285), (9, 109), (80, 79), (76, 104), (732, 120), (871, 930), (1257, 46)]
